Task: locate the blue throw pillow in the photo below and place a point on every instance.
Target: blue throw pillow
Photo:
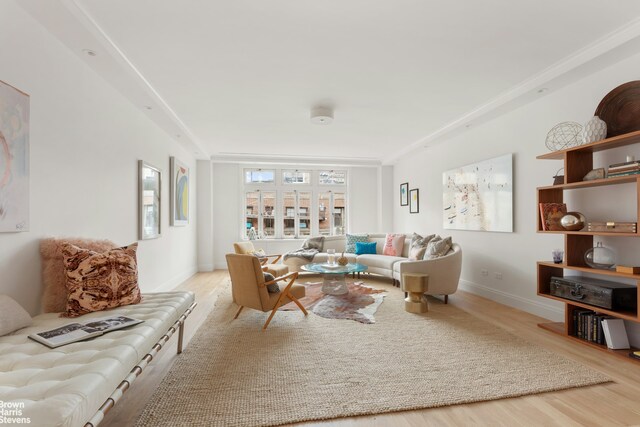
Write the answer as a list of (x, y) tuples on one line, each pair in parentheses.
[(365, 248)]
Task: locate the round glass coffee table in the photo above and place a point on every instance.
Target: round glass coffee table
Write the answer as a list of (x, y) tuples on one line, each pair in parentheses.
[(335, 282)]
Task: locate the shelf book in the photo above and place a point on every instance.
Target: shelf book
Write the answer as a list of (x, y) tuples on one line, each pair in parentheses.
[(584, 322)]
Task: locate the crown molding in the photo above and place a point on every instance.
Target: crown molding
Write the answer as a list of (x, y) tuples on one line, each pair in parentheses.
[(286, 160), (607, 50)]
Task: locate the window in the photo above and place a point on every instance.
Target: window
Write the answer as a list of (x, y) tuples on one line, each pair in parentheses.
[(259, 176), (331, 213), (296, 221), (291, 203), (296, 177), (260, 213), (333, 177)]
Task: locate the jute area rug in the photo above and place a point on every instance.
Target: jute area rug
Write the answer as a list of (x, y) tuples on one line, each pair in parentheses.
[(312, 368)]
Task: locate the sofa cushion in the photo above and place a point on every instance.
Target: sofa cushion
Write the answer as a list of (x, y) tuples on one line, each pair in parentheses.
[(379, 261), (393, 244), (12, 316), (54, 277), (438, 247), (418, 246), (363, 248), (351, 240), (314, 243), (66, 386), (97, 281)]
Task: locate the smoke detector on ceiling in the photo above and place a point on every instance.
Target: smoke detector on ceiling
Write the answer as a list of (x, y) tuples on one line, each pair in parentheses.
[(321, 115)]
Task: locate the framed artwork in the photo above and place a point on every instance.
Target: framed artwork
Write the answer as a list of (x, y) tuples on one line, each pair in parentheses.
[(404, 194), (179, 192), (479, 196), (414, 201), (149, 189), (14, 159)]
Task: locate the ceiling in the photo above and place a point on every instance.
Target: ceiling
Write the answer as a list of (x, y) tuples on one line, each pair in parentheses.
[(240, 77)]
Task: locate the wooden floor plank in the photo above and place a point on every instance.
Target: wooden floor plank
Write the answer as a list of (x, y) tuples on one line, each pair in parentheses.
[(611, 404)]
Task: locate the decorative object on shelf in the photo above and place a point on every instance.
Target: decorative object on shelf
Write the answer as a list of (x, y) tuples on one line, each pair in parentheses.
[(594, 130), (620, 109), (613, 227), (596, 292), (558, 256), (627, 269), (479, 196), (404, 194), (600, 257), (14, 159), (630, 167), (343, 260), (414, 201), (149, 201), (595, 174), (573, 221), (564, 135), (551, 214), (615, 334), (557, 178), (179, 192)]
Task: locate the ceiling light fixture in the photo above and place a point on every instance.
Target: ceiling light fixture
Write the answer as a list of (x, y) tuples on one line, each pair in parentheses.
[(321, 115), (89, 52), (543, 89), (148, 107)]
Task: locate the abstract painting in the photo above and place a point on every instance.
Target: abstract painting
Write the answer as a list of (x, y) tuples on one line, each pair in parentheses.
[(404, 194), (14, 159), (149, 191), (479, 196), (414, 201), (179, 192)]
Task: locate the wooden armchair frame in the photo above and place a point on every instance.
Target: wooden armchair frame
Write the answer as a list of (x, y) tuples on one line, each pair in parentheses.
[(265, 259), (285, 292)]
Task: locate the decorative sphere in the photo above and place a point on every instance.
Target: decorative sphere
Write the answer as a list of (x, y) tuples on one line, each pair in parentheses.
[(573, 221), (564, 135)]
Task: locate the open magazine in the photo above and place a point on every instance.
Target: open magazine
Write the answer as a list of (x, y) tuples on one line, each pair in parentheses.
[(73, 332)]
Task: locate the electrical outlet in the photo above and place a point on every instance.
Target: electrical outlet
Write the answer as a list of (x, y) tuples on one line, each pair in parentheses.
[(498, 276), (484, 272)]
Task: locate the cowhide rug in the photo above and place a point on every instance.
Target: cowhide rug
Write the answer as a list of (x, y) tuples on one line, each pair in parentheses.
[(360, 304)]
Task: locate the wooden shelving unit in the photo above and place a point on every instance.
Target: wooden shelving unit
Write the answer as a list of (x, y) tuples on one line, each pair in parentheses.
[(578, 161)]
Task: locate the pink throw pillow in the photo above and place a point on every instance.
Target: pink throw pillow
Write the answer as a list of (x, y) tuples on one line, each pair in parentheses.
[(393, 245)]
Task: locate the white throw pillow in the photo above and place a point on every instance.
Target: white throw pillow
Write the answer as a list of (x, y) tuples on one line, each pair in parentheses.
[(12, 316), (438, 247)]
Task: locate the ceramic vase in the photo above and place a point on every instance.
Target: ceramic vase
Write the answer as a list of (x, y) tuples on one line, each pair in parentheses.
[(594, 130)]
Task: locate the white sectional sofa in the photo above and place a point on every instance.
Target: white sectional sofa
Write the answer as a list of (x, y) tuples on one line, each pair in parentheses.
[(74, 385), (444, 272)]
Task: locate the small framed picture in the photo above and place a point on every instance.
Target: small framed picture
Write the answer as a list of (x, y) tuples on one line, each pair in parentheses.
[(414, 201), (149, 189), (404, 194)]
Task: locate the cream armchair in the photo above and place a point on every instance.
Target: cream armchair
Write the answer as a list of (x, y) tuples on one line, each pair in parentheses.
[(444, 272), (247, 248), (249, 288)]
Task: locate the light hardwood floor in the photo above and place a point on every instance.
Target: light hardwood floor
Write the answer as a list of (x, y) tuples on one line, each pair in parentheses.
[(612, 404)]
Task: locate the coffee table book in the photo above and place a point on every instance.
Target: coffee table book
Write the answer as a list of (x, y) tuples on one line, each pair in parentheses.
[(74, 332)]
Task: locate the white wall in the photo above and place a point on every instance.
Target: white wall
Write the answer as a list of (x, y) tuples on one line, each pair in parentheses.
[(523, 133), (227, 193), (86, 139), (205, 216)]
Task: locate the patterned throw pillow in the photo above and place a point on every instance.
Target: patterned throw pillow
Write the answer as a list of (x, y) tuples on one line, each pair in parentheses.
[(368, 248), (272, 288), (352, 239), (418, 246), (393, 245), (97, 281), (438, 247)]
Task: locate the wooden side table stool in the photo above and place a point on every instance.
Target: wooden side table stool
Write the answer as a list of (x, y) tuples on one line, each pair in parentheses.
[(416, 285)]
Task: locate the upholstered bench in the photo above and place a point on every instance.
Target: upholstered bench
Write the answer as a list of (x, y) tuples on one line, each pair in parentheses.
[(76, 384)]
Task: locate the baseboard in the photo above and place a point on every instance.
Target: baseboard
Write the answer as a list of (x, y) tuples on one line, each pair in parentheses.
[(205, 267), (173, 283), (221, 265), (534, 307)]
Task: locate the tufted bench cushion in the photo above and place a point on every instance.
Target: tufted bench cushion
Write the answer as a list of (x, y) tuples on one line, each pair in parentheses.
[(66, 386)]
